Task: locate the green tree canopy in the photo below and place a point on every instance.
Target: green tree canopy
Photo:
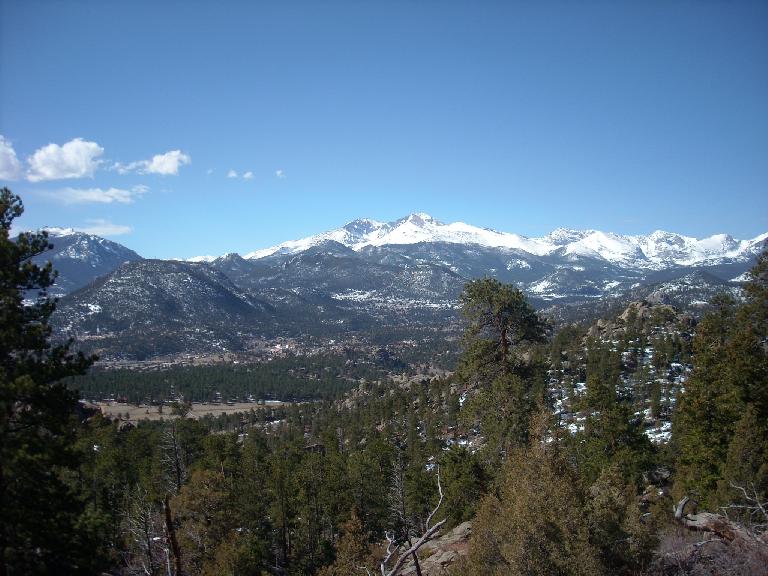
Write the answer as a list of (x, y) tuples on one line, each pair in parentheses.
[(499, 362), (43, 529), (725, 398), (499, 320)]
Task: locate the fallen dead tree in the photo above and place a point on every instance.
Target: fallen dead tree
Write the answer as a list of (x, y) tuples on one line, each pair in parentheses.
[(709, 522), (726, 548)]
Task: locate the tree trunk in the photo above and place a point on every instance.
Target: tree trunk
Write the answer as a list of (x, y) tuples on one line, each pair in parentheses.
[(415, 558), (708, 522), (171, 535), (505, 352)]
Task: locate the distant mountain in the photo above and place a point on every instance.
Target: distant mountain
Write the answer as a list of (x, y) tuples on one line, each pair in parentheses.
[(154, 307), (80, 258), (690, 291), (370, 278), (655, 251)]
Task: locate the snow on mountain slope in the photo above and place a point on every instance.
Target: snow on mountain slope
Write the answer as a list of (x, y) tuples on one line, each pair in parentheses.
[(412, 229), (80, 258), (196, 259), (606, 246), (655, 251)]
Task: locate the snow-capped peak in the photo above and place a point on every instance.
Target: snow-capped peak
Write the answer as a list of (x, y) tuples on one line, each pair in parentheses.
[(412, 229), (421, 219), (199, 259), (653, 251), (607, 246)]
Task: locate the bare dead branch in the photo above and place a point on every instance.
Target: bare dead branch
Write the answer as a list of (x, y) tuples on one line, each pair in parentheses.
[(428, 534), (679, 510), (426, 537), (440, 491), (753, 509), (391, 548)]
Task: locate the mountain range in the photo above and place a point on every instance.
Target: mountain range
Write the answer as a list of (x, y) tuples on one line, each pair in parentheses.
[(369, 277), (655, 251)]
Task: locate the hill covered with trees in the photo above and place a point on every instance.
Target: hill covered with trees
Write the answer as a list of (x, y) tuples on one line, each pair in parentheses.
[(576, 451)]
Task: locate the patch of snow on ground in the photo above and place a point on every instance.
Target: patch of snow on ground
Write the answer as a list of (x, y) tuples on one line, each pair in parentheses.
[(517, 264), (660, 434), (354, 295), (540, 287)]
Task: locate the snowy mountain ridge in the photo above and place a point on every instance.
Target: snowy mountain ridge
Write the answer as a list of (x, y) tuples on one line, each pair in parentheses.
[(654, 251), (80, 258)]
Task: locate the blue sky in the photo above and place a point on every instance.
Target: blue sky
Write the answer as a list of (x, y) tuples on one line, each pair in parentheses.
[(126, 117)]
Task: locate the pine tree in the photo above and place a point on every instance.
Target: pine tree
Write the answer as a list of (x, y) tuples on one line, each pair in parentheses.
[(352, 550), (43, 527), (544, 519), (497, 359), (536, 524), (612, 435), (727, 389)]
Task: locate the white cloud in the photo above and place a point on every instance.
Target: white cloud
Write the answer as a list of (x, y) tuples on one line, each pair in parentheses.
[(98, 195), (167, 164), (234, 174), (280, 174), (101, 227), (77, 158), (209, 171), (10, 167)]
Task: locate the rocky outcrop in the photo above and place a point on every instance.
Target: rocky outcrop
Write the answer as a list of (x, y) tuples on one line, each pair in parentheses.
[(437, 555)]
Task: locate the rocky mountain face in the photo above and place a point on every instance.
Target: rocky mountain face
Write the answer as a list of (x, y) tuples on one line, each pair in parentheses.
[(152, 307), (369, 276), (81, 258)]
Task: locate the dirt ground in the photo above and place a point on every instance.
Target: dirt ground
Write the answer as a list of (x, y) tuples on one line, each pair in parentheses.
[(143, 412)]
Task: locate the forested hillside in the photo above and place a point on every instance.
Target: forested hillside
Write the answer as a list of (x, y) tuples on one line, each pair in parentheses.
[(570, 451)]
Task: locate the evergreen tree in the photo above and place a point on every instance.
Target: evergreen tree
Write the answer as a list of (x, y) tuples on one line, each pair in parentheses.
[(463, 482), (708, 409), (497, 358), (726, 399), (352, 550), (612, 435), (43, 528), (544, 519), (536, 524)]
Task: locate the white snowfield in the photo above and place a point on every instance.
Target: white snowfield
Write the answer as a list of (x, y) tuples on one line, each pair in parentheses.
[(657, 250)]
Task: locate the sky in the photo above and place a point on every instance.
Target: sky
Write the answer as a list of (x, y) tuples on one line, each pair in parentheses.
[(204, 127)]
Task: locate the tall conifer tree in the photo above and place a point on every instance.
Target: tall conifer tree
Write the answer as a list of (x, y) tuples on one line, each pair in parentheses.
[(43, 529)]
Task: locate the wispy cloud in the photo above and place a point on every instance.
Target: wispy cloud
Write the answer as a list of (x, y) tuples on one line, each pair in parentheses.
[(101, 227), (167, 164), (247, 175), (280, 174), (97, 195), (77, 158), (10, 167)]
